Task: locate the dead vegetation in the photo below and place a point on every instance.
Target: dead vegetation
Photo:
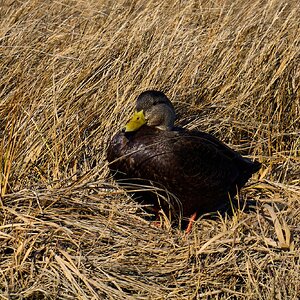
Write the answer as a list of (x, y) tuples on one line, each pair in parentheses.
[(70, 71)]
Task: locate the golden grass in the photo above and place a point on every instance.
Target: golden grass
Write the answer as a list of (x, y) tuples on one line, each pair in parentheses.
[(70, 71)]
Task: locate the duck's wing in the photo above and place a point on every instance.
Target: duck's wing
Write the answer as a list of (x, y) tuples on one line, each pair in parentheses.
[(246, 166), (194, 170), (204, 163)]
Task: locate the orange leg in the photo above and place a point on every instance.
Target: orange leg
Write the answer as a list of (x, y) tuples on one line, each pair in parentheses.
[(191, 221), (158, 222)]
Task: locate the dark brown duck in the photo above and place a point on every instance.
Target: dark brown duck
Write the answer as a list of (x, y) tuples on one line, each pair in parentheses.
[(198, 170)]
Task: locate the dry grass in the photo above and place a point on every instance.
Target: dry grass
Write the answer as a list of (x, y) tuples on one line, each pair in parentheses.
[(70, 71)]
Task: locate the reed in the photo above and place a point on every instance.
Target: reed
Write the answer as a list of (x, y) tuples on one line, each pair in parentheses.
[(69, 75)]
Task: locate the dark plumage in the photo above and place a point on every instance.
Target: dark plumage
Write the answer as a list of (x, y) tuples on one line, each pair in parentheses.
[(195, 167)]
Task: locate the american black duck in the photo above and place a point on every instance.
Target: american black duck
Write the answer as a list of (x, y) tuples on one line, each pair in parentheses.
[(201, 173)]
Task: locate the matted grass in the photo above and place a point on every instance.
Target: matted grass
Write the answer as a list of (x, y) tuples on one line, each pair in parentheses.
[(70, 72)]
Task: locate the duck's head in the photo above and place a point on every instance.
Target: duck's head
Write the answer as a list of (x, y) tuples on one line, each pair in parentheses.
[(154, 109)]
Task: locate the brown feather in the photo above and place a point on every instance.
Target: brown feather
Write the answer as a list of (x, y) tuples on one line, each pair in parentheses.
[(195, 167)]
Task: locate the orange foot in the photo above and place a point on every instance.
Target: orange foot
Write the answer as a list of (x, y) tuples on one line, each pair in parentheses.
[(157, 224), (191, 221)]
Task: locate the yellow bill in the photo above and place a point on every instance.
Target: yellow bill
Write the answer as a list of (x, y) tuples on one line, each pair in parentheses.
[(137, 121)]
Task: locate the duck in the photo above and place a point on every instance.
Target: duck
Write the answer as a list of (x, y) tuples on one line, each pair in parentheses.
[(186, 173)]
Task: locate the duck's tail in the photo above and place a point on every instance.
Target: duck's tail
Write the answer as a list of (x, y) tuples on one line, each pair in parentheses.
[(247, 169), (255, 166)]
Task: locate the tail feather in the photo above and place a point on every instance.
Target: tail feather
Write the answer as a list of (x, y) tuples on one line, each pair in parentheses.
[(255, 166), (247, 168)]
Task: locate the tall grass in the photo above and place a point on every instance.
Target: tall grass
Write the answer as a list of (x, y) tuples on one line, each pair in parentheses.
[(70, 72)]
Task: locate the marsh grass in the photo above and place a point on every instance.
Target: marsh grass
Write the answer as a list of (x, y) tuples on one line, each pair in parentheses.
[(70, 71)]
